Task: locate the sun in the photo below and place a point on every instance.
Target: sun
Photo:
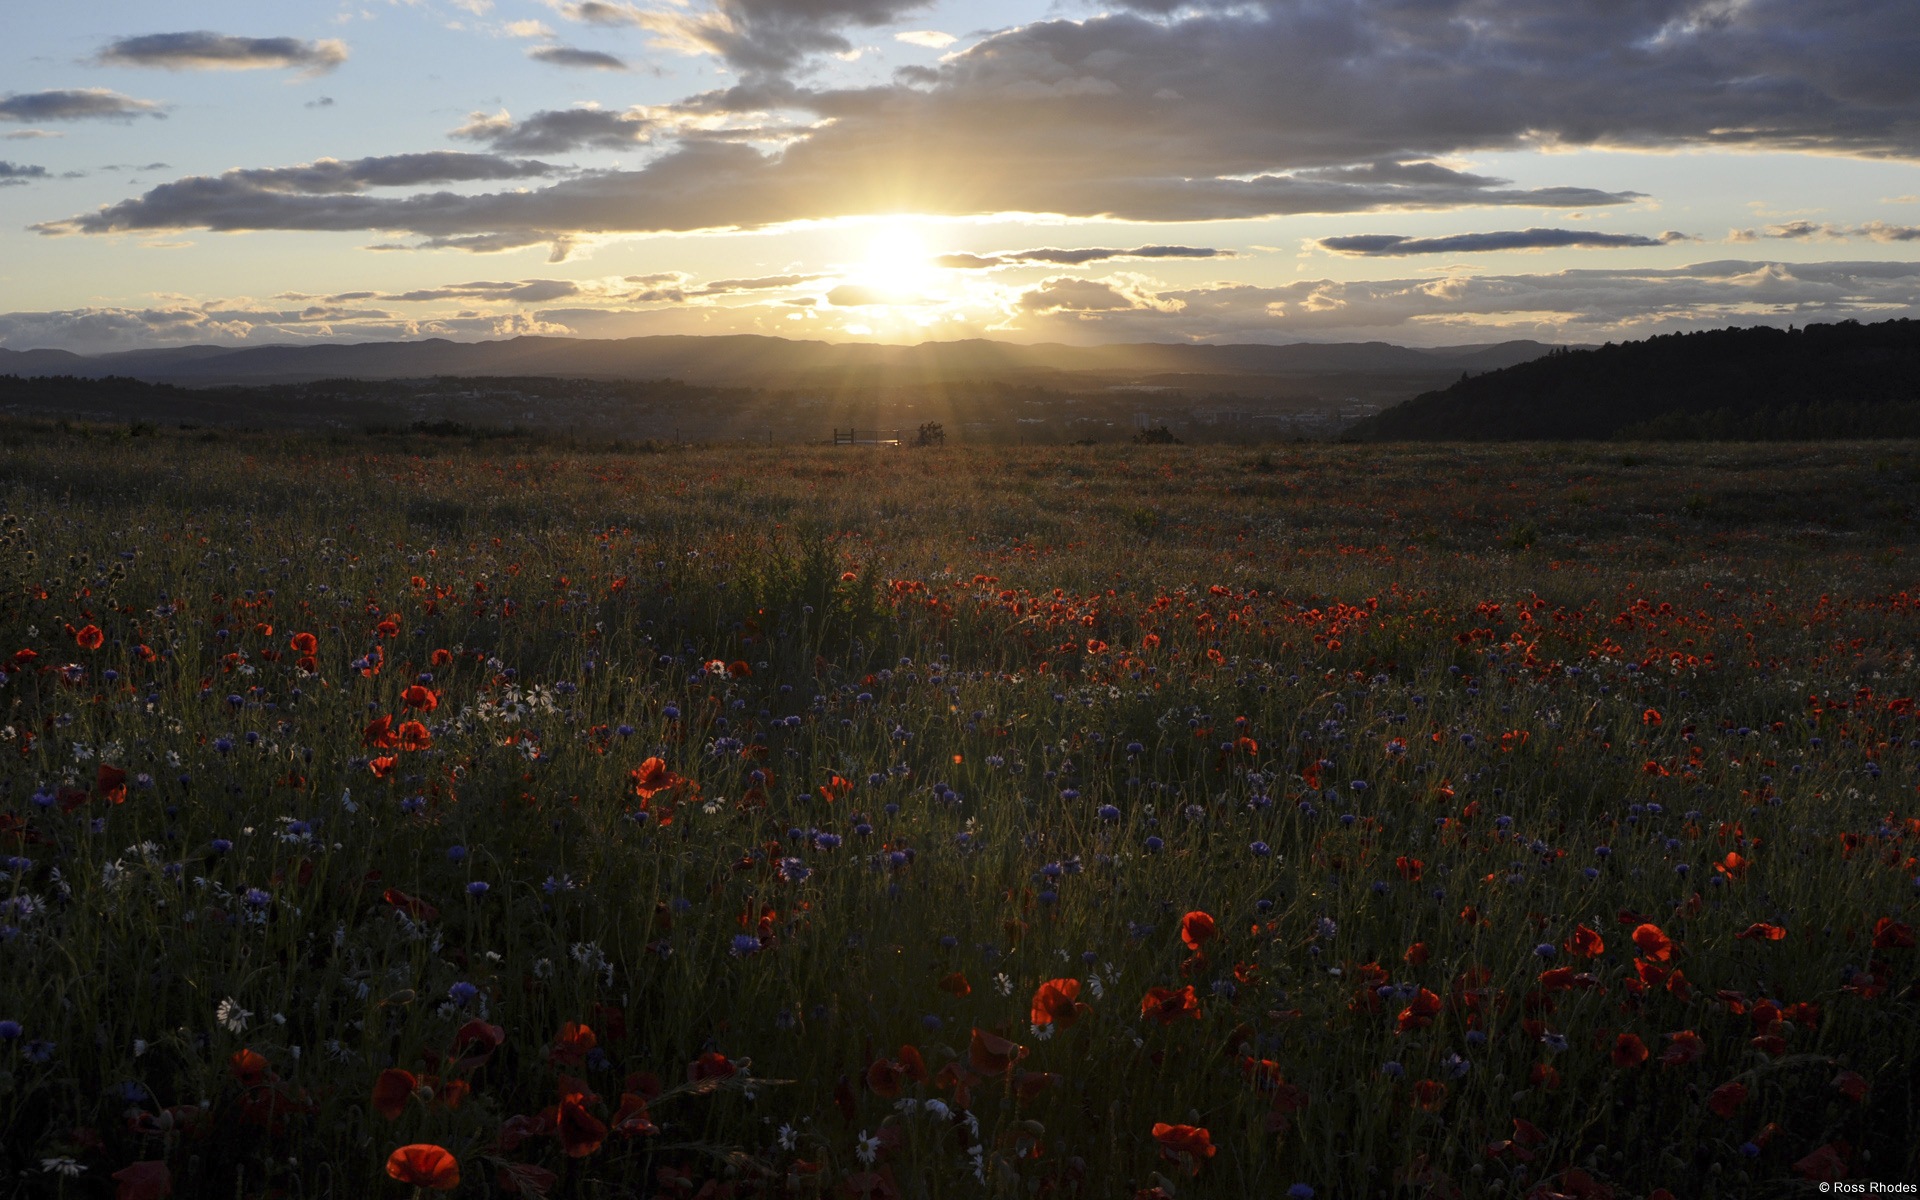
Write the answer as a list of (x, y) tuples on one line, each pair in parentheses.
[(898, 263)]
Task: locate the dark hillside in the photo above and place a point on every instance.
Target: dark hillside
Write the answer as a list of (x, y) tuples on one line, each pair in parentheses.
[(1825, 381)]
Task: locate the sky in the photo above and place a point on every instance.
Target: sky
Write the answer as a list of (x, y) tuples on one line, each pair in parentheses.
[(1426, 172)]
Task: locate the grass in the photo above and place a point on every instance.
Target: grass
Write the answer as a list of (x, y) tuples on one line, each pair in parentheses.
[(924, 714)]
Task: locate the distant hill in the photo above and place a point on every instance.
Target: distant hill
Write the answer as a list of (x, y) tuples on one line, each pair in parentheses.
[(1846, 380), (747, 360)]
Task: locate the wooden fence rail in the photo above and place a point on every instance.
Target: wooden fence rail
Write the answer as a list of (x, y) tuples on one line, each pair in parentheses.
[(866, 437)]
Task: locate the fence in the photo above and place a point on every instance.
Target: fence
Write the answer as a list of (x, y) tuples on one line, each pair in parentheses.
[(866, 437)]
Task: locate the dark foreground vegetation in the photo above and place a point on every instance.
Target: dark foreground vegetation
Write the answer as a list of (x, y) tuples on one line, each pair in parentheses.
[(1843, 381), (499, 818)]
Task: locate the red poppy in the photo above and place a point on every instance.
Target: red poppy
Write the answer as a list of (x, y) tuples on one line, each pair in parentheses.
[(631, 1118), (1185, 1144), (1651, 717), (711, 1065), (249, 1067), (378, 732), (571, 1044), (144, 1181), (111, 782), (580, 1131), (475, 1042), (391, 1092), (412, 735), (912, 1065), (884, 1078), (383, 766), (424, 1165), (1057, 1003), (1410, 868), (1852, 1085), (1417, 954), (651, 777), (1889, 934), (1196, 928), (1761, 932), (1167, 1006), (1726, 1099), (442, 658), (1629, 1050), (1586, 943), (1683, 1048), (89, 637), (739, 669), (991, 1054), (1824, 1165), (955, 985), (413, 906), (421, 697), (1429, 1094), (1421, 1012), (1653, 943), (304, 643)]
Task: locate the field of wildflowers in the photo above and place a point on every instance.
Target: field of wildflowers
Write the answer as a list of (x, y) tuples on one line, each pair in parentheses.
[(1156, 821)]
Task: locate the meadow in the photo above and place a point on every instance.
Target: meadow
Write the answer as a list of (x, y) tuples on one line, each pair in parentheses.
[(399, 815)]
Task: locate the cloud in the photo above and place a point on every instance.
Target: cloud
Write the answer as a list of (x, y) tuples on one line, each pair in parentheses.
[(204, 51), (1076, 295), (557, 131), (760, 37), (240, 323), (526, 291), (14, 174), (1385, 245), (1573, 305), (1825, 231), (528, 29), (596, 12), (1176, 113), (859, 295), (319, 102), (932, 39), (722, 287), (1881, 231), (568, 56), (29, 135), (75, 104), (1072, 258)]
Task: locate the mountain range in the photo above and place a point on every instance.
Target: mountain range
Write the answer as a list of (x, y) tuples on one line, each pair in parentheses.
[(769, 362)]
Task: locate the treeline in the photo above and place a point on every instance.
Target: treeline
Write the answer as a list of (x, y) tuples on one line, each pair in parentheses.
[(1845, 380)]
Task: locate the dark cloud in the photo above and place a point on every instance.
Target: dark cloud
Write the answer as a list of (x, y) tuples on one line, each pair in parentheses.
[(1392, 245), (1186, 112), (556, 131), (760, 37), (321, 102), (14, 174), (568, 56), (75, 104), (204, 51), (1072, 258)]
